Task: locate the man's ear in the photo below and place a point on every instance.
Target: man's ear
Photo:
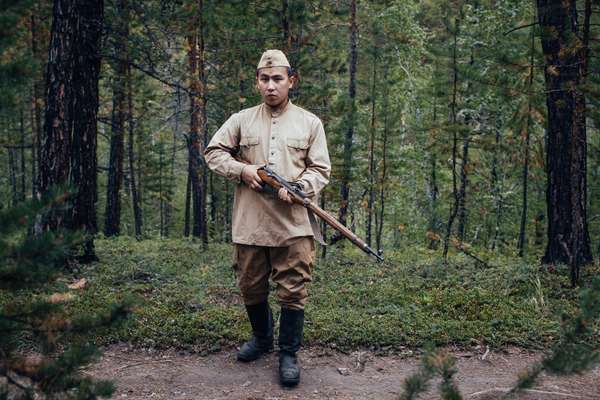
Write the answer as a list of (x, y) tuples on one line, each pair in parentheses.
[(292, 81)]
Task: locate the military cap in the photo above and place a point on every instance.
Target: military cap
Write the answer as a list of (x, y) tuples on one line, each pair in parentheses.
[(273, 58)]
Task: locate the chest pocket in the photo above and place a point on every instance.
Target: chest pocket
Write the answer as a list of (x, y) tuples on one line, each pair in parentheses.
[(297, 144), (249, 148), (248, 141)]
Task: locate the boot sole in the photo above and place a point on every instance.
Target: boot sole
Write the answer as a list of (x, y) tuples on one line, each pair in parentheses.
[(249, 359), (289, 382)]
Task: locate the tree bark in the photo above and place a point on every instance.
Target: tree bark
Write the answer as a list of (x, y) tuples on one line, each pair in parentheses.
[(372, 170), (86, 72), (188, 196), (566, 195), (203, 124), (12, 167), (54, 161), (434, 190), (453, 105), (135, 197), (195, 49), (23, 172), (112, 222), (495, 189), (382, 182), (38, 42), (285, 27), (464, 182), (526, 143), (347, 169)]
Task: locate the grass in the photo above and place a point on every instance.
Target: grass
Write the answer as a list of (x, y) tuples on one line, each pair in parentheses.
[(188, 298)]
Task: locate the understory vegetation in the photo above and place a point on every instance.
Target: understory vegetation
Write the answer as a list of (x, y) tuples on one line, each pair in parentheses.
[(187, 298)]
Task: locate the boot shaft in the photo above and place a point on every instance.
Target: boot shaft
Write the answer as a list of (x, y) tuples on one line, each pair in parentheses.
[(291, 326)]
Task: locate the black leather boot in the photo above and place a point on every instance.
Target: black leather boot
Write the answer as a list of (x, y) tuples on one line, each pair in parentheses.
[(261, 341), (290, 336)]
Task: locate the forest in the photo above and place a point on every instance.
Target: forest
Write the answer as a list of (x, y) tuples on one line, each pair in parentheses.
[(464, 139)]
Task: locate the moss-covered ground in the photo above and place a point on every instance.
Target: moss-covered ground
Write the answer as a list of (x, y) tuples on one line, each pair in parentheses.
[(187, 298)]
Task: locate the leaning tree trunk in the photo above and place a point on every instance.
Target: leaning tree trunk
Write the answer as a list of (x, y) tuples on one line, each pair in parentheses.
[(112, 222), (566, 194), (86, 72)]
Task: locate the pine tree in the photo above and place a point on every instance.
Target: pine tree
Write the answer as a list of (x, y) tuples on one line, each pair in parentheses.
[(28, 264)]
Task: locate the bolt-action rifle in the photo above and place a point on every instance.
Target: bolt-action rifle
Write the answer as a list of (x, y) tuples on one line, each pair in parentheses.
[(275, 182)]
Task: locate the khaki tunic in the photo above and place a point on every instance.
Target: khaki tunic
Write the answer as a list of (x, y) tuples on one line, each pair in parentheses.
[(293, 144)]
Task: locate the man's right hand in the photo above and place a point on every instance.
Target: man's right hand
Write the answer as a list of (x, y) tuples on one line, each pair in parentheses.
[(250, 177)]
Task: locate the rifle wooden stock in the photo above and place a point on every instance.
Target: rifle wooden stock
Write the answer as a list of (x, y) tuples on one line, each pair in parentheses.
[(276, 182)]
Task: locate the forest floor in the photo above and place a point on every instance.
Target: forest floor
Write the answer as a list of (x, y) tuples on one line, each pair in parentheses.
[(326, 374)]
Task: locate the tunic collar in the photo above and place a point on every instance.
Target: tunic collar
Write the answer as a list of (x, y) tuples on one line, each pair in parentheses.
[(275, 114)]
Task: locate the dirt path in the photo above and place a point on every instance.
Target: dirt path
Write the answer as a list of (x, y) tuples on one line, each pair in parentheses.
[(325, 375)]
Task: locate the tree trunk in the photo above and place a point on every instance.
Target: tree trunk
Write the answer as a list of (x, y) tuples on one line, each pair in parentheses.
[(323, 227), (526, 140), (453, 105), (495, 189), (372, 170), (434, 190), (37, 100), (565, 56), (285, 27), (188, 195), (462, 195), (23, 173), (135, 197), (12, 174), (384, 143), (161, 194), (86, 71), (196, 122), (54, 160), (172, 177), (347, 169), (112, 222), (203, 124)]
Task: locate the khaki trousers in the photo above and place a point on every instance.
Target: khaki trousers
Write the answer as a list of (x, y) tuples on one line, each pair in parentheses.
[(290, 267)]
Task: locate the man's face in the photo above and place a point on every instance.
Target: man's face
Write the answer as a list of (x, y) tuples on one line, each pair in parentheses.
[(274, 85)]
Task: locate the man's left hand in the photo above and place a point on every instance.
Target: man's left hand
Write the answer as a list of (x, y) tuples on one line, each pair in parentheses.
[(285, 196)]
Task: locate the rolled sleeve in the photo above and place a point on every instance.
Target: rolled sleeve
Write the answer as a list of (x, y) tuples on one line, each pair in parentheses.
[(218, 152), (318, 165)]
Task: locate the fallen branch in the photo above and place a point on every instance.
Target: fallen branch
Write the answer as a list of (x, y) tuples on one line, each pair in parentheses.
[(532, 391)]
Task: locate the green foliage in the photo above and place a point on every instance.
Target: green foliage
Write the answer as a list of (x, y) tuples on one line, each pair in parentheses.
[(434, 363), (190, 300), (575, 350), (33, 323)]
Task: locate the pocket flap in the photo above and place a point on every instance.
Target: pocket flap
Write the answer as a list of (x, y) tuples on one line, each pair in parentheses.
[(298, 143), (249, 141)]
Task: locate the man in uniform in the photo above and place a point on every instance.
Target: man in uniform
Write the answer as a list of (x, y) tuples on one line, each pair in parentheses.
[(272, 236)]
